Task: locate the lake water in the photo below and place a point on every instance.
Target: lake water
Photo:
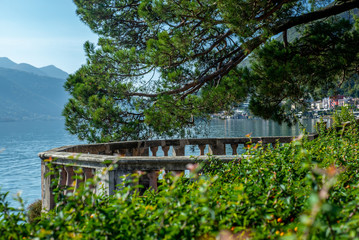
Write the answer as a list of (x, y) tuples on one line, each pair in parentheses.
[(20, 142)]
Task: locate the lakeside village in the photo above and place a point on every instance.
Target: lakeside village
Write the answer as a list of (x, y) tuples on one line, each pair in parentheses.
[(321, 108)]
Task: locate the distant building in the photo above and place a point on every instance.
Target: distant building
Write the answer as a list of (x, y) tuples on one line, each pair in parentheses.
[(330, 103), (326, 103), (338, 101)]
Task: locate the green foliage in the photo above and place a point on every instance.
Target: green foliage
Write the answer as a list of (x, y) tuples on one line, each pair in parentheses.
[(302, 190), (159, 66), (34, 211), (344, 114), (13, 224), (323, 58), (349, 87)]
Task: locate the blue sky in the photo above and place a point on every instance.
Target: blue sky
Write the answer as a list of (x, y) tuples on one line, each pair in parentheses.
[(43, 32)]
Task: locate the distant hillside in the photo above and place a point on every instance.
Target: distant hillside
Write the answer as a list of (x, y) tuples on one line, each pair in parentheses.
[(30, 93), (53, 71), (49, 71)]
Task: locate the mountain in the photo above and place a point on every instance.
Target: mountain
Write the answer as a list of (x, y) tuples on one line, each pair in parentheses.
[(28, 93), (53, 71), (7, 63), (49, 71)]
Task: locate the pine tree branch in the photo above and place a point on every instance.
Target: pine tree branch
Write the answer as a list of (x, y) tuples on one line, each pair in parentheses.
[(254, 43)]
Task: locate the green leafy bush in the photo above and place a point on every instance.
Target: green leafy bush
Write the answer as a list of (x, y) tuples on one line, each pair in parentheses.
[(34, 211), (344, 114), (302, 190)]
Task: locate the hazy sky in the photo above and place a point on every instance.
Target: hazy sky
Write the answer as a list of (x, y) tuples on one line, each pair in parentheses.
[(43, 32)]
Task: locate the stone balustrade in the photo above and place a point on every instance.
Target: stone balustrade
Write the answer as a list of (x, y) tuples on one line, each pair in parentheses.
[(94, 159)]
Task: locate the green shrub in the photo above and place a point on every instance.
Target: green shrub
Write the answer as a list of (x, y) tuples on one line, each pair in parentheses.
[(302, 190), (34, 211), (344, 114)]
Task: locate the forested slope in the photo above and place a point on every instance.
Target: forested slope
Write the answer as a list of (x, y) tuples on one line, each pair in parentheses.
[(25, 95)]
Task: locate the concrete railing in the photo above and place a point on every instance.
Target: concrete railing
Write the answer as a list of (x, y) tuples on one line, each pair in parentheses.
[(132, 156)]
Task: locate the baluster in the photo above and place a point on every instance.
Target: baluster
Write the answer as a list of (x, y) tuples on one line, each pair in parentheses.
[(123, 152), (140, 152), (154, 151), (153, 175), (265, 143), (62, 177), (165, 150), (101, 150), (89, 174), (178, 151), (77, 179), (150, 178), (217, 149), (234, 147), (80, 177), (69, 179), (108, 150), (201, 148), (153, 179)]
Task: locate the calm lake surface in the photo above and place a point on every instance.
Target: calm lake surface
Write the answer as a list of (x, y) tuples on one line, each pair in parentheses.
[(20, 142)]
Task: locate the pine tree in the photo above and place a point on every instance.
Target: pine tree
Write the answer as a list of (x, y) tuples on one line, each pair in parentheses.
[(159, 65)]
